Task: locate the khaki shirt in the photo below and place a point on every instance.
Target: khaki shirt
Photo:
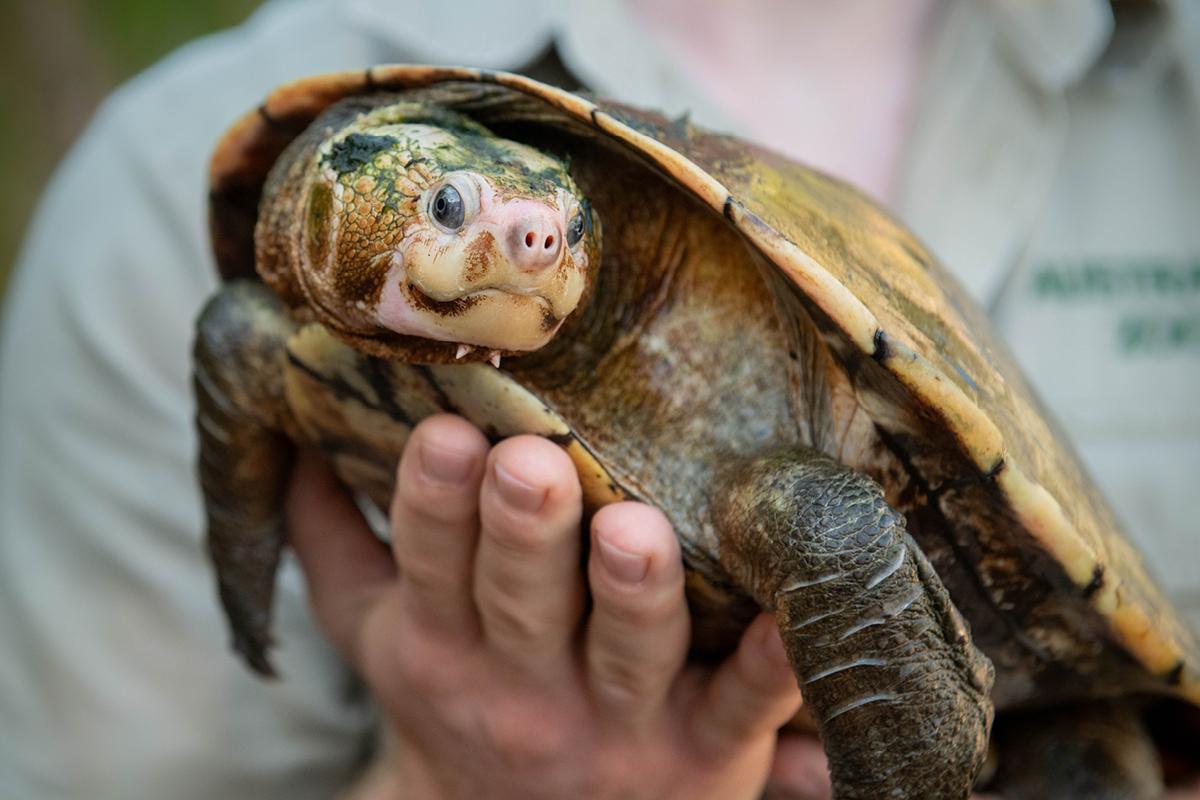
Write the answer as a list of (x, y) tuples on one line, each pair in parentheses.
[(1071, 210), (1056, 175)]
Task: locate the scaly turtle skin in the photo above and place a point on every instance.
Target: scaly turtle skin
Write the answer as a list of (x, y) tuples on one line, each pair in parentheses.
[(752, 347)]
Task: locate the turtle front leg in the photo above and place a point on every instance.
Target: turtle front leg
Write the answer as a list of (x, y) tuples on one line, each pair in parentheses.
[(245, 454), (885, 661)]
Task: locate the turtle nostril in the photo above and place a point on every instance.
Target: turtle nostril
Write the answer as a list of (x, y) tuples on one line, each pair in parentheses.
[(533, 239)]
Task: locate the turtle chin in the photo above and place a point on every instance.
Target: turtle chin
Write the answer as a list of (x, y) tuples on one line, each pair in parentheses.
[(488, 320)]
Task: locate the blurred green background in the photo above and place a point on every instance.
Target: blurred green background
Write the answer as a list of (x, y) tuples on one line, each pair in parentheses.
[(58, 59)]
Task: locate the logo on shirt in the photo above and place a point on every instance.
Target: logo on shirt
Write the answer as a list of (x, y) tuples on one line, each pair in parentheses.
[(1160, 300)]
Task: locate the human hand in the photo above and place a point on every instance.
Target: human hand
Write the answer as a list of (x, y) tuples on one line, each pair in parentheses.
[(800, 770), (495, 677)]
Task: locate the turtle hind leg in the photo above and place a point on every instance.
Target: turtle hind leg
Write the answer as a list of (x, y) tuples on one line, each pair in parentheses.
[(898, 691), (245, 455), (1095, 751)]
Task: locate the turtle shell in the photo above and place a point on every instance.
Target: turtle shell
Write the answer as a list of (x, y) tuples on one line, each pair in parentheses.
[(1030, 530)]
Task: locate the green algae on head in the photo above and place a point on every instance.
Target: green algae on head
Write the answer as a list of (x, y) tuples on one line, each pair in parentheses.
[(422, 222)]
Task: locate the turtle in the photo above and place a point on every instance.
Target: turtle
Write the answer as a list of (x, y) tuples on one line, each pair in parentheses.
[(755, 348)]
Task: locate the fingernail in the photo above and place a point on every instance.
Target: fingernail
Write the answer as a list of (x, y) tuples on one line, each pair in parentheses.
[(625, 567), (445, 466), (518, 494)]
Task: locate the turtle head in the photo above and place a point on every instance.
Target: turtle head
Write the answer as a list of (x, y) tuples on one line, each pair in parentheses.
[(430, 226)]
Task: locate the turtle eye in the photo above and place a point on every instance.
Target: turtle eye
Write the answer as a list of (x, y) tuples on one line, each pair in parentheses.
[(575, 229), (448, 208)]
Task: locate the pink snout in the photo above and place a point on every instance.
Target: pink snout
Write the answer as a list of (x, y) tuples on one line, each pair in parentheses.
[(533, 237)]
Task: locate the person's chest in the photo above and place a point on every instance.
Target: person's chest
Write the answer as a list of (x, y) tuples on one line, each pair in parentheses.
[(1103, 311)]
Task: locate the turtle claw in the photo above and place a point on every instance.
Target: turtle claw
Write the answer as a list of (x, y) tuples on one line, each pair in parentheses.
[(251, 630), (462, 351), (252, 647), (494, 357)]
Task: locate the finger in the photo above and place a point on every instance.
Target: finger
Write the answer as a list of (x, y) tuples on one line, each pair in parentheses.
[(638, 632), (800, 770), (345, 564), (528, 582), (751, 694), (435, 523)]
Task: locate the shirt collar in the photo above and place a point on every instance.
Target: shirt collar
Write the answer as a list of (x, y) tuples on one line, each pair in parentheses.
[(478, 33), (1055, 41), (1125, 43)]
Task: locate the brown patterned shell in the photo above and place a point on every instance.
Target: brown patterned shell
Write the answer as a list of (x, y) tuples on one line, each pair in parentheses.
[(920, 356)]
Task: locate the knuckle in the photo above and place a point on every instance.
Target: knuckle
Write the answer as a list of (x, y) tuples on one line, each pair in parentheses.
[(521, 534), (623, 687), (513, 621), (527, 734), (424, 578), (634, 613), (640, 608), (522, 537), (380, 655), (413, 664)]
